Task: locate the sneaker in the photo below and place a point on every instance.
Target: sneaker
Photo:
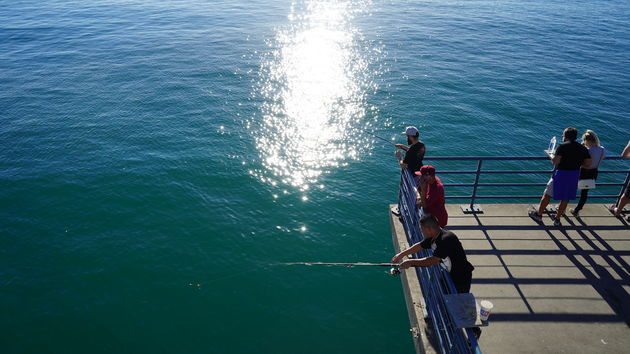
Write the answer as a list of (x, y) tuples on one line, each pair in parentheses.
[(613, 210), (534, 215), (395, 211), (575, 212), (556, 222)]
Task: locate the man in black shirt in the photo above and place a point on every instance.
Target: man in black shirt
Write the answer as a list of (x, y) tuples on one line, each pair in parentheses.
[(568, 159), (414, 152), (446, 248)]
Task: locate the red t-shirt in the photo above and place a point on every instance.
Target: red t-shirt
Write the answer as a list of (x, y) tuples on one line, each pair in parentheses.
[(435, 202)]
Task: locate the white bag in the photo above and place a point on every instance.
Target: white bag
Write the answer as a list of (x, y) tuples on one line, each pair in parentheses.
[(586, 184)]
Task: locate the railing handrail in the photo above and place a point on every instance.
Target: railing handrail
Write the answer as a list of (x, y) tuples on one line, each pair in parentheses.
[(478, 172), (512, 158)]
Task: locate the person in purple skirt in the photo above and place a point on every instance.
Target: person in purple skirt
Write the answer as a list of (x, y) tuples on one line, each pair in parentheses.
[(562, 186)]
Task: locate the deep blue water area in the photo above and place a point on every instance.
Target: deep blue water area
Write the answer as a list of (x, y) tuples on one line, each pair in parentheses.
[(158, 158)]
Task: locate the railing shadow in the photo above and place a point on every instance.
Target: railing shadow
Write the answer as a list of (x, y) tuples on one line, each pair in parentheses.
[(594, 274)]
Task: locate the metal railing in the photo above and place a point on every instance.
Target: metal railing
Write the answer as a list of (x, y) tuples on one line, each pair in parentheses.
[(434, 281), (523, 173)]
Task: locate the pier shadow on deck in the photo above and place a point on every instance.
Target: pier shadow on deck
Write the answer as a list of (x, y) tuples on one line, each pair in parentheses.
[(554, 289)]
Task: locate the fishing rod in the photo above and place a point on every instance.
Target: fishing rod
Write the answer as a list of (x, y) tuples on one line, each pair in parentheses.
[(378, 137), (393, 271)]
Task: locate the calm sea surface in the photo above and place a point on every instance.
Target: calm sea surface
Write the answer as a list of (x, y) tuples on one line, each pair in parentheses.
[(158, 157)]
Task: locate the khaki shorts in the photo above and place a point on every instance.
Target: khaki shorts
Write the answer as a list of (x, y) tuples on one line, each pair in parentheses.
[(549, 188)]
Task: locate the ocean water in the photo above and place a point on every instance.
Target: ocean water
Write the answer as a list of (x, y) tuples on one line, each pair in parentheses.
[(158, 158)]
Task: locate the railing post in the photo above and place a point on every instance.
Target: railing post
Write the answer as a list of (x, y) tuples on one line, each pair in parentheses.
[(472, 208)]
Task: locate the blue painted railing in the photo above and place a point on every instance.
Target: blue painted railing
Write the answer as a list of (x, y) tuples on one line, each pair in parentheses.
[(434, 281)]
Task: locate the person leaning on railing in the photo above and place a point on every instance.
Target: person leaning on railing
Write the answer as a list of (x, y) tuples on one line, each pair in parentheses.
[(568, 159), (430, 194), (447, 249), (414, 152), (591, 141), (618, 208)]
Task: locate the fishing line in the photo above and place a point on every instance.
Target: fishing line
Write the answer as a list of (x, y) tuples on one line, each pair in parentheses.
[(378, 137), (394, 267), (214, 280), (341, 264), (255, 268)]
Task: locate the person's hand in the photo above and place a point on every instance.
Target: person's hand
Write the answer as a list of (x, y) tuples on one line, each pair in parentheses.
[(418, 201), (398, 154), (400, 146), (549, 153), (396, 258)]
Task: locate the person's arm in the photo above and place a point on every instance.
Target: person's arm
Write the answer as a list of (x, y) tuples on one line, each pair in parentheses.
[(411, 250), (402, 146), (419, 196), (555, 159), (421, 262), (626, 151), (423, 194)]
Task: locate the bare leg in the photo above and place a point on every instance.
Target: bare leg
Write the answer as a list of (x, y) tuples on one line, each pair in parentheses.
[(543, 203), (561, 208), (622, 203)]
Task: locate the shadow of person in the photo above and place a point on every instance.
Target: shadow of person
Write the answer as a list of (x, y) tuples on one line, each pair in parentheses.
[(612, 291)]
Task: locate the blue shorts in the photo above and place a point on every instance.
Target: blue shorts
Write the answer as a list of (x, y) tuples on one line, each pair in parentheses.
[(563, 184)]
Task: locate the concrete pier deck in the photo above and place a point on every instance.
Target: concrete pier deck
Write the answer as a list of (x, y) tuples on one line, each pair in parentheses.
[(555, 289)]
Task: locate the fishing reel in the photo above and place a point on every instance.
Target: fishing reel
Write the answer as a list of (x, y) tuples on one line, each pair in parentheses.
[(394, 271)]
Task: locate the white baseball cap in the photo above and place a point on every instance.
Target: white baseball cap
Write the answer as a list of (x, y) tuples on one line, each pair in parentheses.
[(413, 131)]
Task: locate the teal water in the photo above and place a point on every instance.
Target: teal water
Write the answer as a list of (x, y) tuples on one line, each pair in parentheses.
[(159, 157)]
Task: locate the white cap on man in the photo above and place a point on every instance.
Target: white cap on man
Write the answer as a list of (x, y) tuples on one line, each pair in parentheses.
[(412, 131)]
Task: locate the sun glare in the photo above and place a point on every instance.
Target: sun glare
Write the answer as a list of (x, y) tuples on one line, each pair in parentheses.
[(313, 85)]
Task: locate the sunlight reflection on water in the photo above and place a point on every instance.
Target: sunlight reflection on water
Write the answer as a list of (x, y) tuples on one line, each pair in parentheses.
[(314, 83)]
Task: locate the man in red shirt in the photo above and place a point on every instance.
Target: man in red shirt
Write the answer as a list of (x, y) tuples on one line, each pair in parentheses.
[(430, 194)]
